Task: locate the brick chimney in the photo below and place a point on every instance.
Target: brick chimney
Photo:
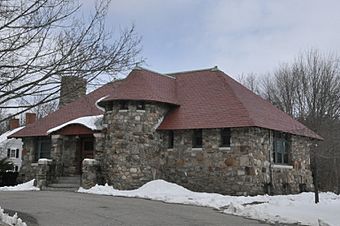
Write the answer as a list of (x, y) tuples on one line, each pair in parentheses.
[(30, 118), (72, 88), (13, 123)]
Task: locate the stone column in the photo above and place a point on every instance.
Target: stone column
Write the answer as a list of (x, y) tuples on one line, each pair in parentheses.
[(56, 153), (27, 172), (43, 177), (89, 178), (98, 146)]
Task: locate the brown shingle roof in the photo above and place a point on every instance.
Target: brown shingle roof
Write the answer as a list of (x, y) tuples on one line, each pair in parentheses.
[(143, 84), (201, 99), (212, 99), (84, 106)]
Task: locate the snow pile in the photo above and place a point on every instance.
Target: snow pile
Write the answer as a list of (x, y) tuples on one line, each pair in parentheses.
[(28, 186), (284, 208), (15, 221), (91, 122)]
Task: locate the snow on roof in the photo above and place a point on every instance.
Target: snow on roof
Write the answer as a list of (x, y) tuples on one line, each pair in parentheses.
[(91, 122), (4, 136), (100, 99)]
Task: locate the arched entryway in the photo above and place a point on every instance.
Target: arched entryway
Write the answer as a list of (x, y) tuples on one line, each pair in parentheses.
[(78, 144)]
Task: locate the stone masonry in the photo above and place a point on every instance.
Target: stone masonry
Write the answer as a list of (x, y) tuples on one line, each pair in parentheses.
[(131, 145), (136, 153)]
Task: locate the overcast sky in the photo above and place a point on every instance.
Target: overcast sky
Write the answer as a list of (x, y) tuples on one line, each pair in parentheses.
[(239, 36)]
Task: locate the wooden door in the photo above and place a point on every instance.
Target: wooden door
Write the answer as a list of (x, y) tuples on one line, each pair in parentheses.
[(86, 150)]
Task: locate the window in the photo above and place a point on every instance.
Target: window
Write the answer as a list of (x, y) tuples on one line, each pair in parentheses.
[(109, 106), (140, 105), (171, 139), (8, 153), (43, 148), (17, 153), (197, 138), (16, 168), (225, 137), (123, 105), (281, 147), (12, 153)]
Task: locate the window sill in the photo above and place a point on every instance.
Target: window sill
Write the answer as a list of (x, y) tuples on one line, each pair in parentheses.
[(224, 148), (278, 166), (170, 149), (196, 149), (34, 164), (123, 110), (141, 111)]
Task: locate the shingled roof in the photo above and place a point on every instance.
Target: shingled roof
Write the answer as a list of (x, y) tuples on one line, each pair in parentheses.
[(142, 84), (84, 106), (200, 99), (211, 99)]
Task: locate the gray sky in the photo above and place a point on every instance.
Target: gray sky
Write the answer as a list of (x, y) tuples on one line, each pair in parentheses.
[(239, 36)]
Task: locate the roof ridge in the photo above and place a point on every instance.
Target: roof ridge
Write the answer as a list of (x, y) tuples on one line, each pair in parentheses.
[(235, 95), (215, 68), (156, 72)]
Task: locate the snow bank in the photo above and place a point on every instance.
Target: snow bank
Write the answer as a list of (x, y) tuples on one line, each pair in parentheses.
[(284, 208), (28, 186), (91, 122), (14, 220)]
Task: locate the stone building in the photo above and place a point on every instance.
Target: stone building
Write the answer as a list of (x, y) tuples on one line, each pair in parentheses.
[(200, 129)]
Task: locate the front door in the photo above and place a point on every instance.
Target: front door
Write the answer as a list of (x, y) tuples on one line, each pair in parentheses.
[(86, 150)]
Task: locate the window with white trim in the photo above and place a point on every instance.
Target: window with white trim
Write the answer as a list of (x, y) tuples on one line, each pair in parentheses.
[(281, 148)]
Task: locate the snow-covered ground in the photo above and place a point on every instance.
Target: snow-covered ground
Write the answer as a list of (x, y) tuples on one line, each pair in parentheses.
[(283, 208), (10, 220), (28, 186)]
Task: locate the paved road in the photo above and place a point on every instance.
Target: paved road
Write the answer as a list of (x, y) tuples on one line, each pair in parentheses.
[(67, 208)]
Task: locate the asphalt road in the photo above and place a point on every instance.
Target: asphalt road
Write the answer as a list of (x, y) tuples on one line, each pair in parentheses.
[(66, 208)]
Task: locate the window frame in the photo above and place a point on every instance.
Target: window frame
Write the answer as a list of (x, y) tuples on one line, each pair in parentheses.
[(124, 105), (38, 148), (171, 139), (197, 138), (141, 104), (225, 137), (281, 148), (13, 153)]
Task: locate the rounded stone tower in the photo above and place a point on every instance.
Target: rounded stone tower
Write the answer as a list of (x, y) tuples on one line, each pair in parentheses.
[(132, 145)]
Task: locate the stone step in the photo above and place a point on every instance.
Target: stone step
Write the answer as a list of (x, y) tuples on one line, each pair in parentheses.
[(60, 189), (69, 180), (64, 185)]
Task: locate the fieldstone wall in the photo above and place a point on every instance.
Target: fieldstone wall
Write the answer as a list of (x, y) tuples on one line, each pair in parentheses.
[(245, 168), (297, 176), (45, 172), (235, 171), (90, 169), (29, 169), (72, 87), (131, 152), (56, 153), (132, 145)]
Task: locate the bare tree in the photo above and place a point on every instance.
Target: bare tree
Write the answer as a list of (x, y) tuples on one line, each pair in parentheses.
[(252, 81), (42, 40), (309, 90)]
